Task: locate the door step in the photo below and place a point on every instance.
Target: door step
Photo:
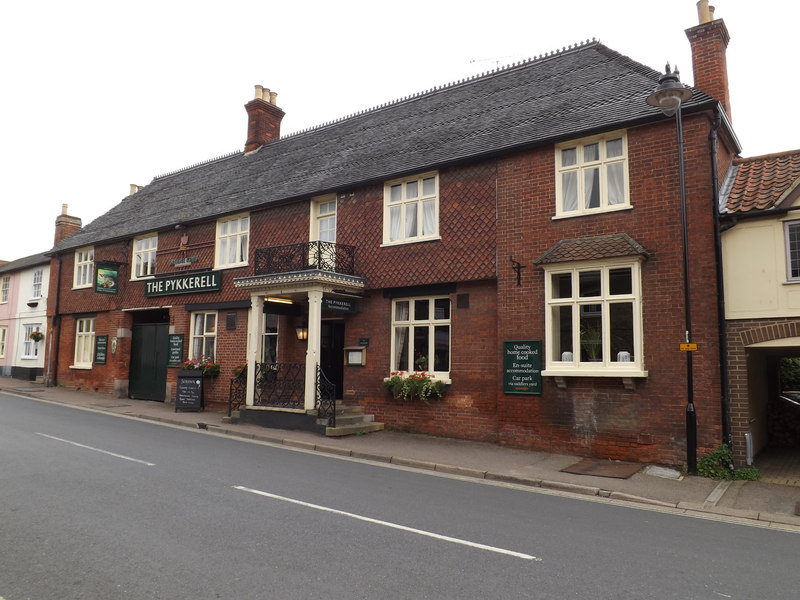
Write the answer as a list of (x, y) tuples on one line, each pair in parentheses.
[(351, 420)]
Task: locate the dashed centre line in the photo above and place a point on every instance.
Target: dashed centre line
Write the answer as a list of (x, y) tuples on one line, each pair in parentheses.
[(389, 524), (115, 455)]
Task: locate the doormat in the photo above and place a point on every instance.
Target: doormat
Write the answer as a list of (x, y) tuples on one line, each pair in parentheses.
[(603, 468)]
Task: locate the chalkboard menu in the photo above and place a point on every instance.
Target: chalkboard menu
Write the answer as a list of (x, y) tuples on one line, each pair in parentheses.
[(190, 391), (522, 364), (100, 349), (175, 350)]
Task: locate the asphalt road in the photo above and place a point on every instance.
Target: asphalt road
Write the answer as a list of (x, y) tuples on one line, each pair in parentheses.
[(94, 506)]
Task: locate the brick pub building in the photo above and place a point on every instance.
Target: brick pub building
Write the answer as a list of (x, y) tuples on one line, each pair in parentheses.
[(515, 235)]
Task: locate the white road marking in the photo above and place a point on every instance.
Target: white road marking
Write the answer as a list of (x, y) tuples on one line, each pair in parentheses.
[(388, 524), (136, 460)]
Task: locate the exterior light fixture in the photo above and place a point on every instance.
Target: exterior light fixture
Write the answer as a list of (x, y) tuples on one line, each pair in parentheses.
[(302, 332), (668, 97)]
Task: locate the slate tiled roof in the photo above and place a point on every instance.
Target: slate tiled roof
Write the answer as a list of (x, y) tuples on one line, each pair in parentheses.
[(558, 96), (761, 182), (592, 248), (25, 263)]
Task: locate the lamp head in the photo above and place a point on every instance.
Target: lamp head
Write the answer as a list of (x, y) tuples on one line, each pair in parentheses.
[(670, 92)]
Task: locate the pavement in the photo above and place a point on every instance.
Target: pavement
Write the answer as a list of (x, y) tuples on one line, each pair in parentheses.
[(755, 502)]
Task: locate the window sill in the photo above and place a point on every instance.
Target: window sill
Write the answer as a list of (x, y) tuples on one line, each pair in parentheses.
[(236, 266), (81, 367), (82, 287), (436, 238), (588, 213), (604, 372)]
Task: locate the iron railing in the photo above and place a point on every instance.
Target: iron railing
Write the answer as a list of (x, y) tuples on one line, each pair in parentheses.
[(237, 393), (325, 256), (280, 384), (326, 398)]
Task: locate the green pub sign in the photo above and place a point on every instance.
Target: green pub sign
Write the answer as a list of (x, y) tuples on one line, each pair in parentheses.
[(522, 367), (106, 278)]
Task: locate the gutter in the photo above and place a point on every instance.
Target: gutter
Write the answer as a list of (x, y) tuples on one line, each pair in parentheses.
[(51, 380)]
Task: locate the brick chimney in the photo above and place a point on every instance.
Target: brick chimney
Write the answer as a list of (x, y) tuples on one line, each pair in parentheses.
[(263, 119), (66, 225), (709, 42)]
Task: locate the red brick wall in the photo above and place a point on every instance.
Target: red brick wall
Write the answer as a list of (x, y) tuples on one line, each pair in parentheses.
[(599, 416)]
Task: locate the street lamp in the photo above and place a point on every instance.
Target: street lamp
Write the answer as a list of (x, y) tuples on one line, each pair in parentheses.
[(668, 96)]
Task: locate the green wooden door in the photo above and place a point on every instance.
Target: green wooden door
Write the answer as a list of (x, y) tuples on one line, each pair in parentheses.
[(148, 374)]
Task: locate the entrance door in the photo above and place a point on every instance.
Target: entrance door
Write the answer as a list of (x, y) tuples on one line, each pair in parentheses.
[(332, 354), (148, 374)]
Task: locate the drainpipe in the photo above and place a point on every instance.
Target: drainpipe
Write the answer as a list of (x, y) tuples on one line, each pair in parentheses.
[(52, 379), (721, 325)]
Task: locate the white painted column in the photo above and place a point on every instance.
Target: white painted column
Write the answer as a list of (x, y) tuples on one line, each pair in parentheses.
[(314, 347), (255, 325)]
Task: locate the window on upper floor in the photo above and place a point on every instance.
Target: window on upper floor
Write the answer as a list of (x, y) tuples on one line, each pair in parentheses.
[(30, 347), (83, 274), (411, 209), (3, 336), (5, 285), (144, 256), (233, 241), (323, 219), (204, 336), (592, 175), (36, 288), (791, 231), (594, 318), (84, 343), (421, 335)]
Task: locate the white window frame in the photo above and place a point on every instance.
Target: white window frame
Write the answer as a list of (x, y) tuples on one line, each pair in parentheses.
[(83, 273), (143, 257), (84, 343), (30, 349), (36, 287), (199, 338), (409, 196), (570, 362), (792, 247), (324, 214), (583, 167), (3, 338), (5, 288), (398, 323), (233, 235)]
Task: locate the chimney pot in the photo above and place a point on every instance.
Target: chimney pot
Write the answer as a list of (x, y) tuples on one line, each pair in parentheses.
[(273, 98), (259, 92), (64, 209)]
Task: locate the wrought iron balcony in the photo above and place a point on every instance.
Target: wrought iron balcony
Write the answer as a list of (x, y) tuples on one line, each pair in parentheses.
[(325, 256)]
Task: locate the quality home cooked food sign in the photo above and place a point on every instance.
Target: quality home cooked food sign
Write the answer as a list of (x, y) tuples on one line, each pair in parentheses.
[(522, 364), (210, 281)]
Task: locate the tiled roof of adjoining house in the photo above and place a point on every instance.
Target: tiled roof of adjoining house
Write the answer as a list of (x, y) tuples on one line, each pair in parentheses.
[(592, 248), (574, 92), (25, 263), (761, 182)]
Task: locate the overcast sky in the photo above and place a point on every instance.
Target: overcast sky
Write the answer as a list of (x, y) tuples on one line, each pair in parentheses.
[(97, 95)]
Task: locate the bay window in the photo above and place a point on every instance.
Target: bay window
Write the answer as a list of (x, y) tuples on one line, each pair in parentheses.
[(593, 318)]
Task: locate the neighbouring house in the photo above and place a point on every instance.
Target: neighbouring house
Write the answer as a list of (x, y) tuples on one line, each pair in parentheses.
[(513, 237), (760, 217), (23, 316)]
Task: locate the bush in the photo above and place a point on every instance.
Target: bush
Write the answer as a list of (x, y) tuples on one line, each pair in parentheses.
[(414, 385), (718, 464)]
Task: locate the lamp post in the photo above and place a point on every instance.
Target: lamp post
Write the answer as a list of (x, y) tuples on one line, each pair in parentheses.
[(668, 96)]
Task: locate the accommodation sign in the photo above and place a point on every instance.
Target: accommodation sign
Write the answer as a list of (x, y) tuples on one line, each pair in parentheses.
[(522, 367), (210, 281), (339, 305)]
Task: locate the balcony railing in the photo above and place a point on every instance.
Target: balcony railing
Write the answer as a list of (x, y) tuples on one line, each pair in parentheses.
[(325, 256)]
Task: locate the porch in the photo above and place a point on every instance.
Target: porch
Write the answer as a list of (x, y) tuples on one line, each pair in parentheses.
[(300, 280)]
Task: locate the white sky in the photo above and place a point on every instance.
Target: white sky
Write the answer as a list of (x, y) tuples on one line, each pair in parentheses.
[(96, 95)]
